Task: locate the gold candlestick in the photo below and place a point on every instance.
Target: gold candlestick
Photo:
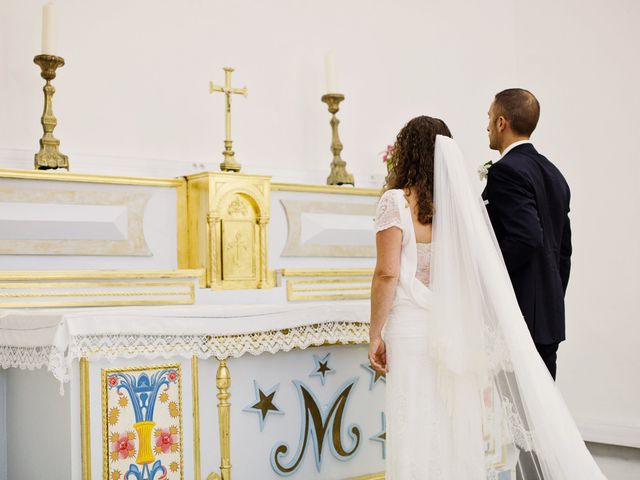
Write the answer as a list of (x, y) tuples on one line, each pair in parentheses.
[(229, 164), (339, 174), (49, 157)]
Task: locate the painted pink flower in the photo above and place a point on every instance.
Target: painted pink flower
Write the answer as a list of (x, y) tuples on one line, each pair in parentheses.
[(123, 447), (173, 376), (113, 381), (166, 439)]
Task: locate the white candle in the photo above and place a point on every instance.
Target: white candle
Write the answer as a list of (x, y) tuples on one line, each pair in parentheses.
[(48, 29), (330, 71)]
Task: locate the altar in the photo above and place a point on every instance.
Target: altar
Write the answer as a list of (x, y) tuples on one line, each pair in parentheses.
[(281, 408), (211, 326)]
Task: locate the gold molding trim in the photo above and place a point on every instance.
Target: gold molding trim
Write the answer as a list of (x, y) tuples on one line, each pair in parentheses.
[(22, 275), (371, 476), (90, 178), (326, 272), (105, 425), (299, 187), (317, 298), (85, 419), (342, 288), (168, 293), (96, 303), (330, 289), (88, 284), (331, 281), (353, 281), (230, 176), (195, 396), (106, 293)]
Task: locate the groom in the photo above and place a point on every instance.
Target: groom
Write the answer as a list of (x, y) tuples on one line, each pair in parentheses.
[(527, 200)]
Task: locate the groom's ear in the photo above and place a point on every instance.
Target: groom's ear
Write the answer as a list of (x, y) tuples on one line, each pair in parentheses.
[(501, 123)]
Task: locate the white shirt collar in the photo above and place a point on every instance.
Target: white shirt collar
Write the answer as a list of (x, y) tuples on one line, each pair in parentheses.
[(512, 146)]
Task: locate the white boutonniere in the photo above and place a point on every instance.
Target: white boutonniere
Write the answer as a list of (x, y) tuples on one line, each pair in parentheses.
[(483, 170)]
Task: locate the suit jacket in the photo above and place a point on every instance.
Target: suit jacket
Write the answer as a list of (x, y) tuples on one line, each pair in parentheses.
[(528, 204)]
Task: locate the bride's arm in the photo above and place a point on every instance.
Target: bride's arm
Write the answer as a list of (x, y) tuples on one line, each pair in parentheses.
[(383, 290)]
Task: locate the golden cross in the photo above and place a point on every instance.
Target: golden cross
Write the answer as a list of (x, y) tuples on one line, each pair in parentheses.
[(238, 244), (229, 163)]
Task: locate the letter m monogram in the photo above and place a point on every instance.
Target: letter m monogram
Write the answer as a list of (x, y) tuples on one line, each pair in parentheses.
[(322, 425)]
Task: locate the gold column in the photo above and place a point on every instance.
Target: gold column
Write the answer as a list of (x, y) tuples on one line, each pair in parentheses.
[(262, 222), (183, 225), (213, 221), (223, 381), (85, 417), (196, 417)]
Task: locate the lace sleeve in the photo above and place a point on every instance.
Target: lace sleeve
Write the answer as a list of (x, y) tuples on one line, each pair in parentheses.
[(388, 213)]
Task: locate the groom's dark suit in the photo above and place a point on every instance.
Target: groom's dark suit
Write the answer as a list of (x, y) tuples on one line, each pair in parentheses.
[(528, 204)]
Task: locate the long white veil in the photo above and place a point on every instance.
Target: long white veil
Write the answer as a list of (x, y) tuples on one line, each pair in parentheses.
[(488, 366)]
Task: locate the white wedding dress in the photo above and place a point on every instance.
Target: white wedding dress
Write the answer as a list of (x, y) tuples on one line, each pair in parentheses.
[(467, 395)]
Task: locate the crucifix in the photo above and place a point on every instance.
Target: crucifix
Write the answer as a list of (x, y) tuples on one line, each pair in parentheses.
[(229, 164)]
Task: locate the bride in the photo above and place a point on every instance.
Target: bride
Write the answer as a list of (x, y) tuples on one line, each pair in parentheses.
[(468, 397)]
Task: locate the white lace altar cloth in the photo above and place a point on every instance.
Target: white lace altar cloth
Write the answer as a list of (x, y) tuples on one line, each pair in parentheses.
[(54, 338)]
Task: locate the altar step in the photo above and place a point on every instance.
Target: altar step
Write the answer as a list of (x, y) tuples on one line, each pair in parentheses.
[(97, 288), (327, 284)]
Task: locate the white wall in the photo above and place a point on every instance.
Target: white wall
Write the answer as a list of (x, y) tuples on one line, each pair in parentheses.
[(135, 85), (133, 98), (579, 58)]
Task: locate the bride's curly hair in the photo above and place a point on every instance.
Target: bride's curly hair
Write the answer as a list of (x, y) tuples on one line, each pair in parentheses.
[(412, 162)]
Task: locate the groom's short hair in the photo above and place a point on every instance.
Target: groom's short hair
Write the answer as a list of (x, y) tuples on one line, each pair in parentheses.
[(520, 107)]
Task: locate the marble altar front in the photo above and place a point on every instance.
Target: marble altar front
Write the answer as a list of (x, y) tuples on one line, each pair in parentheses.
[(197, 328)]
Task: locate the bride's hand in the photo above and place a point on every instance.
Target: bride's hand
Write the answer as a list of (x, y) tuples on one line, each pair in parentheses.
[(378, 355)]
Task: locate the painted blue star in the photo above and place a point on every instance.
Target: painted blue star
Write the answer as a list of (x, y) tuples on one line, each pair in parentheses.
[(264, 405), (381, 436), (322, 367), (375, 376)]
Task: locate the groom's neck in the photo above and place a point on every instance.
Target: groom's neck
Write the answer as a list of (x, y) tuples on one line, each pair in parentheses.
[(510, 139)]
